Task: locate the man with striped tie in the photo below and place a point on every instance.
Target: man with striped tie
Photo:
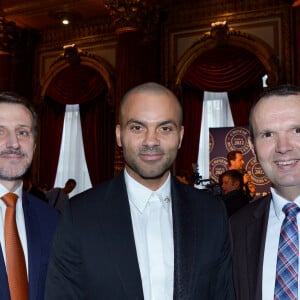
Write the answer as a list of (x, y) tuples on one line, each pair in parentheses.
[(265, 233)]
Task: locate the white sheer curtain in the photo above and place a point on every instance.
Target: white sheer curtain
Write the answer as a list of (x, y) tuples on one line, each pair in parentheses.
[(216, 112), (72, 163)]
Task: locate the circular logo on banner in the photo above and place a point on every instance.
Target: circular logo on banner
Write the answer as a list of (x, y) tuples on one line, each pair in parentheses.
[(211, 142), (217, 166), (237, 139), (258, 176)]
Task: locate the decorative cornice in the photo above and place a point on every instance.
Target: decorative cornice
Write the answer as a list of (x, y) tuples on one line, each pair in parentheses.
[(188, 13), (32, 7), (220, 33), (72, 54), (59, 36)]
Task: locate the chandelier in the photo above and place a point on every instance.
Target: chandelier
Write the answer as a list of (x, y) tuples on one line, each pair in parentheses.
[(132, 15), (8, 34)]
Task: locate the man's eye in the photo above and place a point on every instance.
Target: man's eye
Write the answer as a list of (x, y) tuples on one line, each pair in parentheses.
[(166, 128), (297, 130), (136, 127), (267, 134), (23, 133)]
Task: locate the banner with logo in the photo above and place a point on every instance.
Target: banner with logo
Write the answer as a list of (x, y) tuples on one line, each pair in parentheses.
[(226, 139)]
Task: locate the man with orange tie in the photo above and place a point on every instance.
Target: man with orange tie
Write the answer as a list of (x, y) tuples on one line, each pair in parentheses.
[(26, 223)]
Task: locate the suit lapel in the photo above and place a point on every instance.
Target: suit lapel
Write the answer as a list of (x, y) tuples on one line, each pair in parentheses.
[(184, 243), (116, 225), (33, 245), (4, 291), (34, 254), (255, 239)]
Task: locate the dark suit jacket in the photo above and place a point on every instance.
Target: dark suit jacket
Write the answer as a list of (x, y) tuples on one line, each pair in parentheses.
[(234, 201), (94, 256), (248, 235), (40, 223)]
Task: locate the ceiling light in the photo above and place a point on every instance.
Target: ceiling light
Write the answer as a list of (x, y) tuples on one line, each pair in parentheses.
[(65, 17), (65, 21)]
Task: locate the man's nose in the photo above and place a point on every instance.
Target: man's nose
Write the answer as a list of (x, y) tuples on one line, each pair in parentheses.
[(151, 138), (283, 144), (12, 140)]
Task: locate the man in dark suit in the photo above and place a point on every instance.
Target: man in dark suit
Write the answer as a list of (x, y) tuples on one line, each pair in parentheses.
[(232, 183), (143, 235), (236, 161), (35, 220), (257, 228)]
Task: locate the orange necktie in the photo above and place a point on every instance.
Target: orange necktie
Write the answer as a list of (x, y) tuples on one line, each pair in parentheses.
[(15, 260)]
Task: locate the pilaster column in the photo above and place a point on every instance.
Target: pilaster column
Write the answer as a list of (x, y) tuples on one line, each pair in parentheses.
[(134, 23), (7, 41)]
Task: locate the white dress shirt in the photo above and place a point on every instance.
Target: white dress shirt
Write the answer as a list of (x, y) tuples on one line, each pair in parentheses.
[(151, 214), (276, 217), (19, 218)]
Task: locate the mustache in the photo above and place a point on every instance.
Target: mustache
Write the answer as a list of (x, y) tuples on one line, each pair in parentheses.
[(151, 150), (13, 152)]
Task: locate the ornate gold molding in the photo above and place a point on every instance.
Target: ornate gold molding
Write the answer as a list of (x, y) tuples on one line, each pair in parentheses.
[(187, 11), (132, 15)]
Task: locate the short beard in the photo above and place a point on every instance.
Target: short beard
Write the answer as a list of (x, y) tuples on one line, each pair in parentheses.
[(5, 175), (15, 177)]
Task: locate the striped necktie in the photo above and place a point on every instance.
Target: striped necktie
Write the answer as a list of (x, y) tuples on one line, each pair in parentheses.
[(15, 260), (286, 284)]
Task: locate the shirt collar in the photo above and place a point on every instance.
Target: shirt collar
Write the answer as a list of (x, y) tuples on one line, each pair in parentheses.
[(279, 202), (18, 191), (139, 195)]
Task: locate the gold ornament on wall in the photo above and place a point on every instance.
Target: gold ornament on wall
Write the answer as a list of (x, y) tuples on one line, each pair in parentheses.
[(132, 15)]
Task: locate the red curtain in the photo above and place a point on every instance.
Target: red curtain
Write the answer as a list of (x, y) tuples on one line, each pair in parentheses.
[(78, 84), (192, 111), (97, 122), (242, 100), (52, 120), (224, 69), (230, 69), (128, 62)]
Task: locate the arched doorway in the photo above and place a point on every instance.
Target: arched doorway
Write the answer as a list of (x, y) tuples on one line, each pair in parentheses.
[(78, 78)]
